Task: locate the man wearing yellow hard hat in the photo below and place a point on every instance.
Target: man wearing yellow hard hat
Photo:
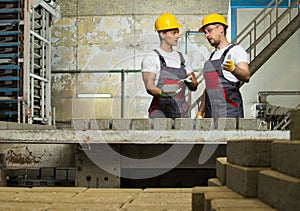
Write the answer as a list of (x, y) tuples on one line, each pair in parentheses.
[(167, 73), (223, 71)]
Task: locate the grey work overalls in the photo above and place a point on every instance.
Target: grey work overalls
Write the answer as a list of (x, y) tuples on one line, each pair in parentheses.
[(223, 98), (173, 107)]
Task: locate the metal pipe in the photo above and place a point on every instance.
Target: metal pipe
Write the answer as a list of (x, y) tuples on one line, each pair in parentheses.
[(187, 33), (262, 95), (93, 71), (122, 93)]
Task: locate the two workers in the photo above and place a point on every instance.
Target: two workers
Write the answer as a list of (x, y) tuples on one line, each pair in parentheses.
[(167, 73)]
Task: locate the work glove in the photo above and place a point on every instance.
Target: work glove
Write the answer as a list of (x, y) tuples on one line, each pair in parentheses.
[(169, 94), (187, 81), (199, 115), (228, 64)]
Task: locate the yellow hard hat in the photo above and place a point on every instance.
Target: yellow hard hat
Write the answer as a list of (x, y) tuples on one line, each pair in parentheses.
[(212, 18), (166, 21)]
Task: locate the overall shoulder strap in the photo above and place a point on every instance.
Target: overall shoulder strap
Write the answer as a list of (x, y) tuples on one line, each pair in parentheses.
[(226, 51), (211, 55), (182, 60), (161, 58)]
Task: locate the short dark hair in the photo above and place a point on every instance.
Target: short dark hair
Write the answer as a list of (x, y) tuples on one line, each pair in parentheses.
[(224, 27)]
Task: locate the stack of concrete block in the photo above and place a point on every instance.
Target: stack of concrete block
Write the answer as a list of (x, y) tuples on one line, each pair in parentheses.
[(279, 186), (265, 175), (260, 174), (224, 199)]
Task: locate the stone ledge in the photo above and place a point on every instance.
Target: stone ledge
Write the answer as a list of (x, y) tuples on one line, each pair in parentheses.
[(132, 136)]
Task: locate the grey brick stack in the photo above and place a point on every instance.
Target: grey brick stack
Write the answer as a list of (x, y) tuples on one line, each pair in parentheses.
[(258, 175)]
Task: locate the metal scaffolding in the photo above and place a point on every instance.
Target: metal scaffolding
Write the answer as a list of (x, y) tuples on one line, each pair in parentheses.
[(25, 60)]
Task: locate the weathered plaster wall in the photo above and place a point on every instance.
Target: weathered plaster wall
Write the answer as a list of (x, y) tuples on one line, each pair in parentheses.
[(95, 39)]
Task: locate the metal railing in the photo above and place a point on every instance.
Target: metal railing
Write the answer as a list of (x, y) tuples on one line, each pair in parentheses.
[(272, 19)]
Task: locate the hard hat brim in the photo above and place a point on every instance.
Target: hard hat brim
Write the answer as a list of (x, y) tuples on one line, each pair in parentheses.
[(202, 27), (168, 29)]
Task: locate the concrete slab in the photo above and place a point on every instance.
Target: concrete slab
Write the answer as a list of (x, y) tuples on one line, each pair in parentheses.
[(18, 126), (119, 134), (163, 198), (221, 163), (163, 124), (14, 189), (209, 196), (227, 124), (121, 124), (25, 206), (184, 124), (167, 190), (152, 207), (100, 124), (8, 196), (56, 189), (101, 197), (248, 124), (80, 124), (43, 197), (242, 180), (204, 124), (113, 190), (214, 182), (219, 204), (285, 157), (40, 127), (245, 209), (198, 196), (24, 126), (103, 206), (279, 190), (140, 124), (255, 153), (3, 125)]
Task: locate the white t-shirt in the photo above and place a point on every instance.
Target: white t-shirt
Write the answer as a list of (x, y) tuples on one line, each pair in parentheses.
[(238, 54), (151, 62)]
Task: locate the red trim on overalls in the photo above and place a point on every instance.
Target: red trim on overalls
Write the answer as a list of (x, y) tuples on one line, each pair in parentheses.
[(154, 106), (228, 100)]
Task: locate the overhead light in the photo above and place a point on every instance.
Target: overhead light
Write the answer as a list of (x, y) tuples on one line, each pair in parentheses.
[(106, 95)]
